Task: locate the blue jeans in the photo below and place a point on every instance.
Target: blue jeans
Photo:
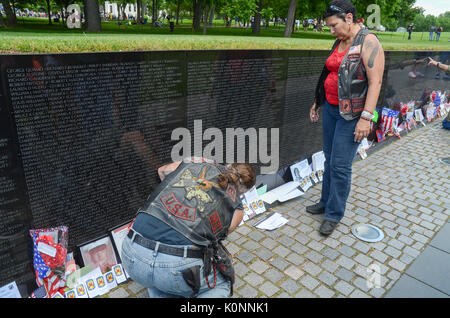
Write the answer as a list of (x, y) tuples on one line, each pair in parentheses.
[(162, 273), (339, 148)]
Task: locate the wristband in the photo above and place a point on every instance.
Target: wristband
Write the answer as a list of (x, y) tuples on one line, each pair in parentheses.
[(365, 118)]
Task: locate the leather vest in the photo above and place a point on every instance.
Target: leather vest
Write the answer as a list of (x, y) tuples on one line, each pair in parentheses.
[(191, 202), (352, 80)]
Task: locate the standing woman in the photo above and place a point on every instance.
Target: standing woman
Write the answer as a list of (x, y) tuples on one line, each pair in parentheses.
[(348, 89)]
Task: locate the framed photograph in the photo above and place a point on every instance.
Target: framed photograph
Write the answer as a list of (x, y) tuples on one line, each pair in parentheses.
[(117, 235), (98, 253)]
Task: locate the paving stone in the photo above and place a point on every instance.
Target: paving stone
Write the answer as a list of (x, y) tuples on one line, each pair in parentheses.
[(327, 278), (345, 274), (311, 268), (304, 293), (273, 275), (324, 292), (329, 266), (290, 286), (281, 250), (248, 292), (253, 279), (240, 269), (135, 287), (330, 253), (259, 267), (295, 259), (344, 287), (245, 256), (119, 293), (309, 282), (358, 294), (346, 262), (294, 272), (269, 289), (279, 263), (264, 254)]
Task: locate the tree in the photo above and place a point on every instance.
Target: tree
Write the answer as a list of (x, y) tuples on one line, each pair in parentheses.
[(92, 14), (290, 19), (49, 12), (197, 9), (257, 22), (10, 15)]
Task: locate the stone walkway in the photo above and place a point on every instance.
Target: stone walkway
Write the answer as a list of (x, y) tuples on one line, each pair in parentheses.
[(401, 188)]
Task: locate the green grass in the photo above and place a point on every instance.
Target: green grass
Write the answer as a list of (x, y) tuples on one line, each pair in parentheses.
[(36, 36)]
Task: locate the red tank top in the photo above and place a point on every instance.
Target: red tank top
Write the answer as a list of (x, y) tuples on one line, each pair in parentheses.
[(331, 83)]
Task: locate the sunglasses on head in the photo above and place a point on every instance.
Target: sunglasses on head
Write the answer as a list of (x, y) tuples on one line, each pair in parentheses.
[(336, 9)]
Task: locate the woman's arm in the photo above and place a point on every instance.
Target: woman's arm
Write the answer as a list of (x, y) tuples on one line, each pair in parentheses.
[(373, 59), (236, 220), (163, 171)]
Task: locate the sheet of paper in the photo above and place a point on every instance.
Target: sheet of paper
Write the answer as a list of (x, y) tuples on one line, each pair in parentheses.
[(251, 194), (291, 195), (273, 222), (274, 194), (10, 291), (297, 168), (318, 161)]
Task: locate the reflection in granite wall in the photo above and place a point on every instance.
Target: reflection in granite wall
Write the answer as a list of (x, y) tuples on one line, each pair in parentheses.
[(82, 135)]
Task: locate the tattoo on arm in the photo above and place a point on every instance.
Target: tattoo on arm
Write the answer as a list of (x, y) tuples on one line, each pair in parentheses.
[(372, 56)]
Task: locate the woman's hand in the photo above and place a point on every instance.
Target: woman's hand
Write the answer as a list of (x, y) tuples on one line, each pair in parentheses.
[(432, 62), (362, 130), (314, 113)]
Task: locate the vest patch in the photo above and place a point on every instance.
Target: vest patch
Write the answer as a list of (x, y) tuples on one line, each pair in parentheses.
[(177, 209), (215, 222), (231, 191)]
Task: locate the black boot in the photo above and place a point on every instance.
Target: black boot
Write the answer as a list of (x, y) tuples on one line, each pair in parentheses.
[(327, 227), (315, 209)]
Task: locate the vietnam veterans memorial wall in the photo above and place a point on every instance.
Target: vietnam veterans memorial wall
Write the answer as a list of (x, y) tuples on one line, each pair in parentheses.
[(82, 135)]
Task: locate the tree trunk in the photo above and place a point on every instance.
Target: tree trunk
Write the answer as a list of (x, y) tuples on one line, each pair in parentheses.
[(49, 12), (139, 12), (154, 12), (205, 19), (257, 21), (178, 9), (197, 14), (93, 23), (291, 19), (10, 15), (211, 16)]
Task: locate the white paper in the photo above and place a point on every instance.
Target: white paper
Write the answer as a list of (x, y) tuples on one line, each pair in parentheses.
[(10, 291), (46, 249), (291, 195), (318, 161), (251, 194), (273, 222), (90, 281), (110, 280), (119, 273), (81, 291), (279, 192), (297, 168)]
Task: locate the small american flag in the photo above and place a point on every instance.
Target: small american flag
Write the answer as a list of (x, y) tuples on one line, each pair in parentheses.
[(388, 117)]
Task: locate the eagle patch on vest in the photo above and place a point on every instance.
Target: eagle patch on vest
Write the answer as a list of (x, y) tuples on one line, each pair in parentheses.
[(196, 187), (177, 209)]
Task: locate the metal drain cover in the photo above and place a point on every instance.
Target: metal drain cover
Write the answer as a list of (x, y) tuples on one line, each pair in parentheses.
[(445, 160), (367, 233)]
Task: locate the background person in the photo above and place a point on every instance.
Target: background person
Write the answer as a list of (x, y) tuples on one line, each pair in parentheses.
[(438, 32), (174, 247), (348, 87)]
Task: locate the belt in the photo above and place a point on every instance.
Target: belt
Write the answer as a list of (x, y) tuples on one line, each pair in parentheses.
[(163, 248)]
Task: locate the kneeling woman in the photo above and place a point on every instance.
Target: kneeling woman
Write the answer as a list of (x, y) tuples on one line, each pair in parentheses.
[(174, 247)]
